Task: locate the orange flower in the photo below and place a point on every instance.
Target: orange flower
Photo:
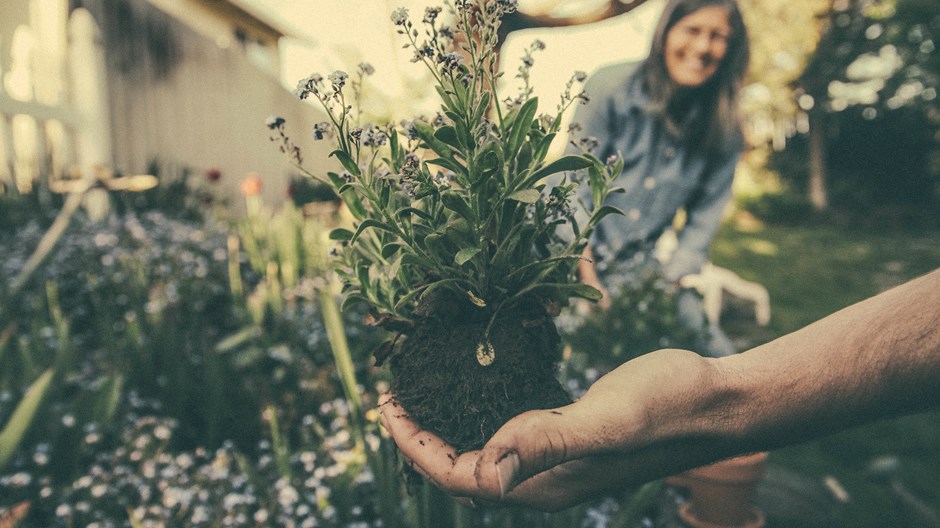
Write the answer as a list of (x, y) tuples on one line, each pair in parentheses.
[(251, 185)]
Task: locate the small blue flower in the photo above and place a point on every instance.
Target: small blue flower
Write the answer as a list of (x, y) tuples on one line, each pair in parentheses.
[(400, 16), (430, 13), (274, 122), (320, 130), (338, 78)]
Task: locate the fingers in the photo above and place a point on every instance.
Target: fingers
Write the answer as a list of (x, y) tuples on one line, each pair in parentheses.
[(527, 445), (428, 454), (533, 461)]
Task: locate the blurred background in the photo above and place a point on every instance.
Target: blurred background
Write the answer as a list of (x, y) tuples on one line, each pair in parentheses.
[(171, 349)]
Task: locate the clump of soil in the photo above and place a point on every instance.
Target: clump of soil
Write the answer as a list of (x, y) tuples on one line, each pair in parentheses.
[(440, 382)]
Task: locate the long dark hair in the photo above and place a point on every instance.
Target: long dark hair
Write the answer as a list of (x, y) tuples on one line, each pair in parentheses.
[(717, 122)]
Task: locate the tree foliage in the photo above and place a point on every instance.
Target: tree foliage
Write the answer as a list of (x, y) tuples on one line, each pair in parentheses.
[(872, 82), (878, 54), (783, 35)]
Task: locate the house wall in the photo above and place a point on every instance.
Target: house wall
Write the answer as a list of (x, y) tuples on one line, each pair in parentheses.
[(228, 25), (134, 87), (180, 100)]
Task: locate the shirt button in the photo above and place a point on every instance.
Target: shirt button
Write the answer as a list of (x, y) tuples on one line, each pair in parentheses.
[(649, 182), (634, 214)]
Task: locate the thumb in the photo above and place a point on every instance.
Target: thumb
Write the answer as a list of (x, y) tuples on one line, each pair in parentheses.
[(527, 445)]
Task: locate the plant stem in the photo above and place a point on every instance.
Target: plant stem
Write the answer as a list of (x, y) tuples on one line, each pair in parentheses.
[(336, 333), (279, 444), (49, 239)]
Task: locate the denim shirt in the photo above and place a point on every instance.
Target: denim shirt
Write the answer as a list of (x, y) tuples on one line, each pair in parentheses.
[(660, 176)]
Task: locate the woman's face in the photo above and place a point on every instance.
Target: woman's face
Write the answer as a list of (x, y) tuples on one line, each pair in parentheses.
[(696, 44)]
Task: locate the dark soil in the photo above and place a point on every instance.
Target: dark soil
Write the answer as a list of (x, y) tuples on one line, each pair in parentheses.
[(439, 381)]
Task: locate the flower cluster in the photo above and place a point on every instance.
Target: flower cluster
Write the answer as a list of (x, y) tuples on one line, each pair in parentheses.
[(525, 91), (145, 479), (437, 38), (131, 268), (459, 201), (279, 135), (144, 294), (568, 95), (321, 130)]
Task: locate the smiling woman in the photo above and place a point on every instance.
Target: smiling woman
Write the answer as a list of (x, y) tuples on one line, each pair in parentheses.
[(673, 117), (696, 45)]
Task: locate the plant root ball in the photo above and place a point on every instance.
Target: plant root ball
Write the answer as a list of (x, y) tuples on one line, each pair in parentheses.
[(439, 380)]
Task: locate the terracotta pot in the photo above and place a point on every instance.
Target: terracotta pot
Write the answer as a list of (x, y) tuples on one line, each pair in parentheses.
[(721, 493)]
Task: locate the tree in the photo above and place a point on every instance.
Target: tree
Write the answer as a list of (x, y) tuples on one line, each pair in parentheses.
[(783, 35), (875, 59)]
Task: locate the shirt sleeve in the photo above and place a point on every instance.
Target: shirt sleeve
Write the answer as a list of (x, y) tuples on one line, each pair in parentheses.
[(704, 215)]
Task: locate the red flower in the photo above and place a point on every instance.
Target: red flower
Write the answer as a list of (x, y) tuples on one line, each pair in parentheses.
[(213, 174), (251, 185)]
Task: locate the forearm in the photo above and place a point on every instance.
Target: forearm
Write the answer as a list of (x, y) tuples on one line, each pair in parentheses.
[(875, 359)]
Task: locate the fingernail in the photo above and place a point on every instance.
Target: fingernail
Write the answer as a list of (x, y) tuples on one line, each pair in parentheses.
[(506, 470)]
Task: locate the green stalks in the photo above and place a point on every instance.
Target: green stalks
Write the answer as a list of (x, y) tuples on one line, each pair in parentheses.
[(15, 429)]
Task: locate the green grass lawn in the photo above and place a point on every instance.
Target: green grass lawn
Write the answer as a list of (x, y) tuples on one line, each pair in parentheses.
[(811, 272)]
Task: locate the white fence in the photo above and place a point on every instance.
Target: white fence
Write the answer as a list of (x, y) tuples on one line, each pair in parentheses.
[(38, 125)]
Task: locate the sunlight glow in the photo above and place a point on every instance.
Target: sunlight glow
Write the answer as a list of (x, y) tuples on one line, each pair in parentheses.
[(342, 34)]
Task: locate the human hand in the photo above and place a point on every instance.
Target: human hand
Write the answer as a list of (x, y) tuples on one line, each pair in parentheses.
[(552, 459)]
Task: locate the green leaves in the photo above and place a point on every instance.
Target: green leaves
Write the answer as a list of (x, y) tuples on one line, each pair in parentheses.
[(601, 213), (428, 135), (566, 290), (24, 414), (463, 202), (466, 254), (448, 136), (347, 162), (455, 202), (566, 163), (525, 196), (521, 125), (341, 234), (367, 224)]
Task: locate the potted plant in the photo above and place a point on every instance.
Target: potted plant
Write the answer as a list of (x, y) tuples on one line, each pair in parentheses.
[(457, 242)]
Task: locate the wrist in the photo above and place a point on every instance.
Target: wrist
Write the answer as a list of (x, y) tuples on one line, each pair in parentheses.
[(745, 410), (709, 408), (691, 394), (723, 409), (685, 414)]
